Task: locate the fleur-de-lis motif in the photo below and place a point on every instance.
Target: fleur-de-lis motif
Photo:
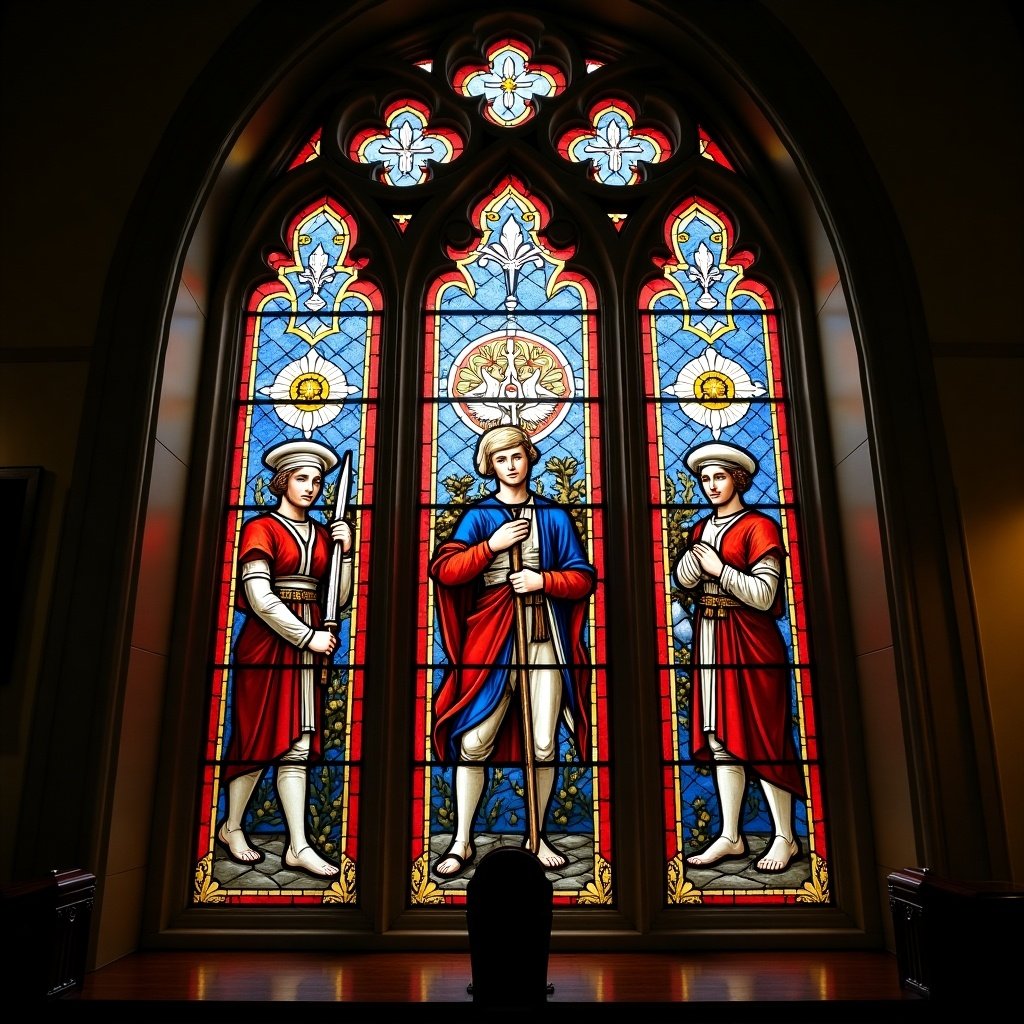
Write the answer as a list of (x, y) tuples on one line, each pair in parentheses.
[(407, 143), (316, 274), (613, 144), (705, 272), (511, 252)]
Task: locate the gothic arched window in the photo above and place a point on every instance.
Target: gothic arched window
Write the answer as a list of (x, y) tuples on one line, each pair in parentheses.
[(522, 321)]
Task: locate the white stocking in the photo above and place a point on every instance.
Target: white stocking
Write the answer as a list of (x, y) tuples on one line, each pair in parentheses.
[(780, 803), (292, 792), (732, 781), (469, 785), (240, 791)]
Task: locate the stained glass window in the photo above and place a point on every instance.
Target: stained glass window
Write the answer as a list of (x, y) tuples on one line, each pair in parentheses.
[(711, 150), (511, 362), (406, 144), (510, 82), (280, 796), (310, 150), (505, 331), (614, 145), (744, 821)]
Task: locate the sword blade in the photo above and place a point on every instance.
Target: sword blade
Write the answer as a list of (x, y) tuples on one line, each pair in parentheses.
[(342, 487)]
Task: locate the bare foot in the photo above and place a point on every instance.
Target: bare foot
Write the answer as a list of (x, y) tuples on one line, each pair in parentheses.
[(550, 857), (308, 860), (456, 859), (779, 854), (235, 842), (722, 848)]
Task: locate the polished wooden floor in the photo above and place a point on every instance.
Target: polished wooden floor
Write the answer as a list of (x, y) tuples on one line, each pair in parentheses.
[(651, 987)]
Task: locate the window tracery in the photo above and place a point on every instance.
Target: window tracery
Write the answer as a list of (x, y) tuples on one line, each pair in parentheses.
[(513, 333)]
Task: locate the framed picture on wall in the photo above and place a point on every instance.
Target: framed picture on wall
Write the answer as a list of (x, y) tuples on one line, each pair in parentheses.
[(19, 496)]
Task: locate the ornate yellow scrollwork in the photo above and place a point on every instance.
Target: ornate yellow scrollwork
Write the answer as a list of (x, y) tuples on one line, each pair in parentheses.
[(680, 889), (423, 889), (816, 889), (599, 890), (206, 889), (343, 890)]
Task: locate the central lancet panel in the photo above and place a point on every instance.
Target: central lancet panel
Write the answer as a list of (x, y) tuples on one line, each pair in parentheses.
[(511, 736)]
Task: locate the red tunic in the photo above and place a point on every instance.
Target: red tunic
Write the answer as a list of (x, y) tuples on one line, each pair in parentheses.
[(266, 701), (477, 626), (752, 674)]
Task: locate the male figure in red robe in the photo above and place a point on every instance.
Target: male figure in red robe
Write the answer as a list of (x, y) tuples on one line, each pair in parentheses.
[(280, 651), (740, 716), (476, 718)]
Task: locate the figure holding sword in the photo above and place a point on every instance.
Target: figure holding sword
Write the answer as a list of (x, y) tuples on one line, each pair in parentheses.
[(283, 647), (513, 584)]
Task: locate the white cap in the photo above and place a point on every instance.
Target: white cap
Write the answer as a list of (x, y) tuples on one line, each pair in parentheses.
[(293, 454), (717, 453)]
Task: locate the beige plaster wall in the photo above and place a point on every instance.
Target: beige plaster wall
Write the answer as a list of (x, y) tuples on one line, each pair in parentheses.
[(935, 91)]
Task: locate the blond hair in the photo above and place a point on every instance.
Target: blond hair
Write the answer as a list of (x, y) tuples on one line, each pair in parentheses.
[(498, 439)]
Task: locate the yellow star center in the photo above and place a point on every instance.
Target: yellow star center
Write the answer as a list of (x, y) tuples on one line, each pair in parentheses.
[(309, 391), (713, 389)]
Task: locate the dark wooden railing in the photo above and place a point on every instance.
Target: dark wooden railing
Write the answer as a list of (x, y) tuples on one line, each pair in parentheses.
[(45, 924), (956, 941)]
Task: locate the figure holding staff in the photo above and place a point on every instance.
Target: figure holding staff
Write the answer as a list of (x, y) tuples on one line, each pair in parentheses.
[(283, 648), (513, 584)]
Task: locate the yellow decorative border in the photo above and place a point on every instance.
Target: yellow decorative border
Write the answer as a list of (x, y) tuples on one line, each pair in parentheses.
[(679, 888), (816, 889), (206, 890), (343, 890), (598, 891), (424, 891)]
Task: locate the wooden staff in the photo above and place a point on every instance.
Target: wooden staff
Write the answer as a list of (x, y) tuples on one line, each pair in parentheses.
[(522, 653)]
